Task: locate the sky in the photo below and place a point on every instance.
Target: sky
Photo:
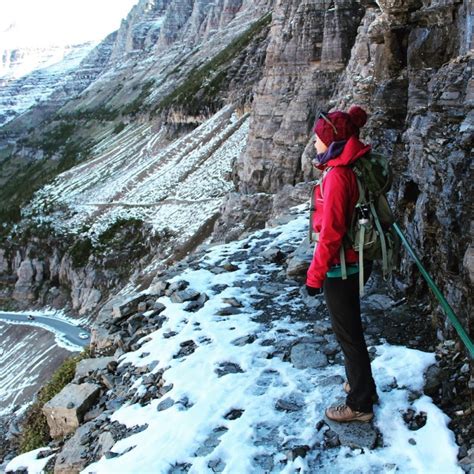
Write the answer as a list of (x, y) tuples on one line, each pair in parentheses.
[(58, 22)]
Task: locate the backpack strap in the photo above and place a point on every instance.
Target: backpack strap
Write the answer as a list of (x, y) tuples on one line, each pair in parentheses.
[(325, 172), (342, 257), (361, 199), (311, 213), (361, 260), (383, 244)]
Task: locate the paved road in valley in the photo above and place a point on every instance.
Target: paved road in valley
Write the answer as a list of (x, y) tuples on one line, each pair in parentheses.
[(70, 332)]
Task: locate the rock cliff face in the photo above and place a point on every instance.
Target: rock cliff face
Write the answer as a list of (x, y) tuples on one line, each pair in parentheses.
[(29, 101), (66, 272), (309, 46), (160, 43), (140, 31), (419, 92), (117, 70), (410, 65)]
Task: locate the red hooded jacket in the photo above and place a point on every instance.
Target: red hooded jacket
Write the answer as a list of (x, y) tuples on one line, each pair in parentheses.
[(334, 209)]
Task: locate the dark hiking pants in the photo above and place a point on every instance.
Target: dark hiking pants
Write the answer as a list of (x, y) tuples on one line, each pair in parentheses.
[(342, 299)]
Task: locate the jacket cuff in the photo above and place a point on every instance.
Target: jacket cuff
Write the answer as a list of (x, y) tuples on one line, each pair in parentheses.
[(313, 283)]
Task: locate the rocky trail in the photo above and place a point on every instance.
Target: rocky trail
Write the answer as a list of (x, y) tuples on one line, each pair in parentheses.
[(225, 365)]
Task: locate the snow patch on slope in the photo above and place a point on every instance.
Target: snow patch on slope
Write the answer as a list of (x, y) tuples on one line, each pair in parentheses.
[(30, 462), (138, 174), (29, 77)]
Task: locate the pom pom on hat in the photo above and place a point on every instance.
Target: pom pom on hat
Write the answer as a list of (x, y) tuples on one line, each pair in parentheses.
[(358, 116)]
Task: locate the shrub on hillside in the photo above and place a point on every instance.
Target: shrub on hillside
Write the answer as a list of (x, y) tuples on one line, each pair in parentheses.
[(35, 430), (81, 251)]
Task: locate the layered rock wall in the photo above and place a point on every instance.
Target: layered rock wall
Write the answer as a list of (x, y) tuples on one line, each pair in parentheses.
[(409, 64), (309, 45), (411, 70)]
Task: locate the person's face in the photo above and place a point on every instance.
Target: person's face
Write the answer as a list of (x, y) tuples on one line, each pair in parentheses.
[(319, 145)]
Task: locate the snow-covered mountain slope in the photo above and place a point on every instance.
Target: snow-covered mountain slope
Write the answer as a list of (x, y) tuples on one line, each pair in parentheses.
[(163, 41), (137, 173), (28, 77), (19, 62), (240, 385)]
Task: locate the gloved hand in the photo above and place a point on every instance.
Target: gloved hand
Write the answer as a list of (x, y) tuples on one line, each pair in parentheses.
[(313, 291)]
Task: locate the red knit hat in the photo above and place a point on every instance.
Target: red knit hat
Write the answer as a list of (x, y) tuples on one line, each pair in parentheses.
[(339, 125)]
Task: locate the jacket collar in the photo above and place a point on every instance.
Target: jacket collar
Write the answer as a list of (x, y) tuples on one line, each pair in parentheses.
[(351, 152)]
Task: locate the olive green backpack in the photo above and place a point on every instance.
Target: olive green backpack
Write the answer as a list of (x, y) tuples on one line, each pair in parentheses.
[(371, 233)]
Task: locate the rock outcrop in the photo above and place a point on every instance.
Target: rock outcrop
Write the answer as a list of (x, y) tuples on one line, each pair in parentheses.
[(65, 272), (65, 412), (410, 68)]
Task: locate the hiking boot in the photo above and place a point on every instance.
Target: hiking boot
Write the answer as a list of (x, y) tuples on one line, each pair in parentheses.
[(347, 388), (343, 413)]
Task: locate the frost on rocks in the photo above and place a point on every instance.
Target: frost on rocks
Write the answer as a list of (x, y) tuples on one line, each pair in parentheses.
[(192, 387), (238, 386)]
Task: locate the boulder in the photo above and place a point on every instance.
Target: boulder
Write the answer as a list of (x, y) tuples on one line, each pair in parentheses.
[(300, 260), (377, 302), (433, 380), (127, 306), (196, 305), (182, 296), (66, 410), (158, 288), (274, 254), (88, 366), (355, 434), (104, 342), (105, 443), (178, 285)]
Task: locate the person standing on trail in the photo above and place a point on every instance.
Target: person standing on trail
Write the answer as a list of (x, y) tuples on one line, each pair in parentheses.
[(338, 146)]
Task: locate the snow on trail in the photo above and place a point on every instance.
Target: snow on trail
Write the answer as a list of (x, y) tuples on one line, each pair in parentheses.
[(225, 374)]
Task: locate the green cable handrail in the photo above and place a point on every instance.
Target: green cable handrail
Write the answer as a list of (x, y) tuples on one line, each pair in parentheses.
[(445, 305)]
